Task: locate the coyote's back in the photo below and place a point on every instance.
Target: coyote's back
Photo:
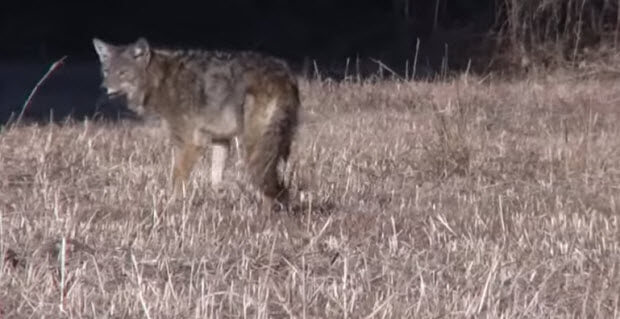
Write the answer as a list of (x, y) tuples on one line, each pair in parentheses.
[(209, 97)]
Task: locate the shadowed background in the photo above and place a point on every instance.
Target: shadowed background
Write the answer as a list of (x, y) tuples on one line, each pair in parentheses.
[(323, 34)]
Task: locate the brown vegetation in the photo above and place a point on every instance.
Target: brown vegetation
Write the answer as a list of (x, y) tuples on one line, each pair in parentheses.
[(555, 33), (464, 198)]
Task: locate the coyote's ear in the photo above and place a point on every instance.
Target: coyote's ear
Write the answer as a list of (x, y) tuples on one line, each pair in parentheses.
[(141, 51), (103, 49)]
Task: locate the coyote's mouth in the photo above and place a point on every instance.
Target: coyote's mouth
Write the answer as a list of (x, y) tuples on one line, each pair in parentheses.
[(114, 94)]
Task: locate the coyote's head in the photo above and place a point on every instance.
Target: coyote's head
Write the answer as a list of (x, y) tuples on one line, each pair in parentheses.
[(124, 70)]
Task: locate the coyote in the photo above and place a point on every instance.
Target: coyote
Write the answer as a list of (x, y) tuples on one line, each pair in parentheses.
[(211, 97)]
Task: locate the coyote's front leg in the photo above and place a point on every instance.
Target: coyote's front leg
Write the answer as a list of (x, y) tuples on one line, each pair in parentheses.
[(186, 156)]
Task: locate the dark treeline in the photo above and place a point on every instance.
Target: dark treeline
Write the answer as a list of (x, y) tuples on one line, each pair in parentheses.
[(343, 37), (327, 31)]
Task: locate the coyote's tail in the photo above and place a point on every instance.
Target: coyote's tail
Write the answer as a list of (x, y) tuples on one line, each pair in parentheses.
[(269, 129)]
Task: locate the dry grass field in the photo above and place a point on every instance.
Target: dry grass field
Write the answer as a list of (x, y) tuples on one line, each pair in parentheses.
[(467, 198)]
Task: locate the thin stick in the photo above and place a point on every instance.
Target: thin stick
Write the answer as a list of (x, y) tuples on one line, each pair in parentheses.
[(145, 308), (3, 256), (407, 70), (383, 66), (435, 23), (317, 74), (34, 91), (579, 29), (357, 68), (415, 59), (617, 27), (63, 247)]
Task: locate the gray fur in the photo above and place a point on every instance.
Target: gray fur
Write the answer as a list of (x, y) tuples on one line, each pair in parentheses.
[(210, 97)]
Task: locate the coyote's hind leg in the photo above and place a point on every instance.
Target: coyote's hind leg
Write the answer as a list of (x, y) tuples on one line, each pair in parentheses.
[(219, 155)]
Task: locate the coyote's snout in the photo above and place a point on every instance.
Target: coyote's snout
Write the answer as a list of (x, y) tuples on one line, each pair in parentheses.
[(210, 97)]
